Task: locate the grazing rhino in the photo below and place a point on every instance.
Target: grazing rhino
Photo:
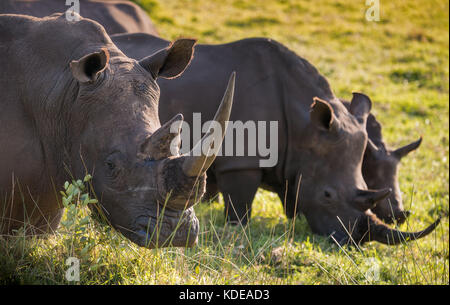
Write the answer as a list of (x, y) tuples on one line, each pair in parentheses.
[(116, 16), (380, 169), (320, 142), (72, 102)]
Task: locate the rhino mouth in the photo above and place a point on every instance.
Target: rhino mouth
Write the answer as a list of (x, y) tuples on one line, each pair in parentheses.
[(170, 228)]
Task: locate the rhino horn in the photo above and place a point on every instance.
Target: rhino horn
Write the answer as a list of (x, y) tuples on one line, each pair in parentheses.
[(403, 151), (372, 147), (368, 199), (165, 141), (382, 233), (197, 165)]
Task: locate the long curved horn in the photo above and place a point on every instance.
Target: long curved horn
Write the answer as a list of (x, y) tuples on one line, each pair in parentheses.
[(403, 151), (383, 234), (196, 165)]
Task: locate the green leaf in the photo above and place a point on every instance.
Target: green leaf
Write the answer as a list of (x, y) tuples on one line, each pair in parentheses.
[(69, 189), (65, 202), (85, 220)]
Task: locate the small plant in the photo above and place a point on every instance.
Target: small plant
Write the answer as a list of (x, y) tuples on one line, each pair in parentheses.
[(74, 227)]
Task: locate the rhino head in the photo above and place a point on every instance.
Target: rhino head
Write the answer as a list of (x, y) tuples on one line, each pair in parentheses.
[(380, 169), (145, 187), (329, 188)]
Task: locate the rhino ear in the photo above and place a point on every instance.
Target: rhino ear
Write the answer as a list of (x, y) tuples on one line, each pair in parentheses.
[(88, 68), (360, 106), (321, 114), (171, 61)]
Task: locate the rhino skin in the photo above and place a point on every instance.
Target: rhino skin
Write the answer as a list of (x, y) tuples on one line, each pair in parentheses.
[(72, 103), (380, 170), (321, 143), (115, 16)]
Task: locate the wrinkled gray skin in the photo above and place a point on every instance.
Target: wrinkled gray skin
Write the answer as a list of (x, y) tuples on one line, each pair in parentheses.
[(72, 102), (321, 143), (380, 170), (115, 16)]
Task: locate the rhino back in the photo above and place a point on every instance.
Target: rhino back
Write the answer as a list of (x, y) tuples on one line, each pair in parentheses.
[(115, 16), (139, 45)]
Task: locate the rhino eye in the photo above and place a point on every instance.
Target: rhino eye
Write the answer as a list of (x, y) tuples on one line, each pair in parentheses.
[(111, 166), (329, 194), (114, 164)]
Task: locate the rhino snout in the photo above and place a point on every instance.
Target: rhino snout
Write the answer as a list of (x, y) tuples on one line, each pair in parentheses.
[(178, 191), (169, 228)]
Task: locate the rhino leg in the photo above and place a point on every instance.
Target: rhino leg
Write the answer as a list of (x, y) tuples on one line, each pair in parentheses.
[(212, 189), (238, 189), (288, 199)]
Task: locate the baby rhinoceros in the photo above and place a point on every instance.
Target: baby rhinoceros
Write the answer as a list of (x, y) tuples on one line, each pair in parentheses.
[(71, 102), (380, 170), (320, 143)]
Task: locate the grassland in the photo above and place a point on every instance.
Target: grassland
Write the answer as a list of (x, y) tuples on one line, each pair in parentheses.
[(401, 62)]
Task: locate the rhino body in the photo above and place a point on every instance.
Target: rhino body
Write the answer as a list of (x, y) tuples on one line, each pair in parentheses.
[(72, 103), (319, 164), (115, 16)]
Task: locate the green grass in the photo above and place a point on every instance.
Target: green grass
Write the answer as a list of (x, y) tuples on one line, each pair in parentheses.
[(401, 62)]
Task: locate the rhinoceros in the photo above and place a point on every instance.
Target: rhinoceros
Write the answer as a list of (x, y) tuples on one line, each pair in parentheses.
[(380, 169), (320, 142), (116, 16), (72, 103)]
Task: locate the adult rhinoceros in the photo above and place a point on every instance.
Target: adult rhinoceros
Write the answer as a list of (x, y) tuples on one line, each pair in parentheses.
[(116, 16), (321, 143), (71, 102)]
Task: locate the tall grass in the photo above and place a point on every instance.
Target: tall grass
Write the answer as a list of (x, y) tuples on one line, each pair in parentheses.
[(271, 250)]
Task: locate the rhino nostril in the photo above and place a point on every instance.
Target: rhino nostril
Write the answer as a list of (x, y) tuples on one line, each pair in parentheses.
[(327, 194)]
